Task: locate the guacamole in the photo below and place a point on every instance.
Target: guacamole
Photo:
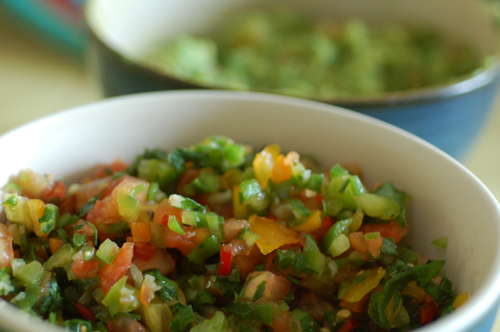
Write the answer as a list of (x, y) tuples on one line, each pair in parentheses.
[(285, 52)]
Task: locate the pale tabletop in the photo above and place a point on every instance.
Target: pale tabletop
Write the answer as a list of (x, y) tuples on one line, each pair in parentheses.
[(36, 80)]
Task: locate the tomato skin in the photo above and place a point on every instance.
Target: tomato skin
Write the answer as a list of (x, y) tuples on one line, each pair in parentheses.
[(428, 312), (85, 269), (144, 250), (85, 312), (226, 260), (159, 259), (187, 177), (111, 273), (56, 193), (325, 226), (348, 325)]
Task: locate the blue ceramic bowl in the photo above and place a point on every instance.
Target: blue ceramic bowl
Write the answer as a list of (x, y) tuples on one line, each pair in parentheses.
[(449, 116), (59, 22)]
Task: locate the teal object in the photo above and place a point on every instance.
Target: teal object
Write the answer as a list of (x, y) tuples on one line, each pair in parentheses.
[(68, 37)]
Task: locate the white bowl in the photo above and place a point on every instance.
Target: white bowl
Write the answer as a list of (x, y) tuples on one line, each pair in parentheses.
[(447, 199)]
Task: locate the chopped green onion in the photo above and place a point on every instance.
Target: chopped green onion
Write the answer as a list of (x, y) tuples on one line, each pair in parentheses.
[(79, 239), (313, 259), (260, 291), (87, 207), (378, 206), (88, 253), (206, 182), (153, 191), (174, 225), (48, 220), (121, 297), (107, 251), (29, 274), (214, 223), (249, 237), (62, 257), (206, 249), (185, 203), (252, 194), (372, 235), (78, 325), (6, 286)]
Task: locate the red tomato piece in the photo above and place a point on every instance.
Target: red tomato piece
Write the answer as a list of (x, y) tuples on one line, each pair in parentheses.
[(111, 273), (226, 260), (85, 312)]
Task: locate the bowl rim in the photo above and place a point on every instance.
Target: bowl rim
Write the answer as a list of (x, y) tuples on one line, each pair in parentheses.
[(483, 300), (483, 76)]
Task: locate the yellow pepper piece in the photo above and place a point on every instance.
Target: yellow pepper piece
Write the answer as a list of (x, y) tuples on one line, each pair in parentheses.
[(36, 209), (370, 279), (312, 222), (415, 291), (239, 210), (272, 234), (263, 164), (282, 170), (460, 300)]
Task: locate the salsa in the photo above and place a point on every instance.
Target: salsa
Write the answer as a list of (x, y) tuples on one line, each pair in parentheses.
[(286, 52), (217, 237)]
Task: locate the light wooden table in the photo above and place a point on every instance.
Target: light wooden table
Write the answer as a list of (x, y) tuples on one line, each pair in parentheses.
[(35, 81)]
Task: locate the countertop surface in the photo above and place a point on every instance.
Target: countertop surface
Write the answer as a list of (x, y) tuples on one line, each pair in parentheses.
[(36, 80)]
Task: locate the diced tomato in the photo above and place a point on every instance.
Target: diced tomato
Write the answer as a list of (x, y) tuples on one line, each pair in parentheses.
[(277, 287), (226, 260), (358, 242), (85, 269), (104, 211), (187, 177), (68, 205), (6, 247), (54, 244), (358, 307), (85, 312), (348, 325), (164, 211), (85, 228), (312, 203), (233, 227), (390, 230), (144, 251), (57, 192), (247, 260), (124, 323), (160, 259), (184, 243), (104, 170), (325, 226), (374, 245), (282, 322), (111, 273), (141, 232), (428, 312), (224, 210)]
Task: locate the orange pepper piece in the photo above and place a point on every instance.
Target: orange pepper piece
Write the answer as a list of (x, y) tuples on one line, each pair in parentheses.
[(272, 234)]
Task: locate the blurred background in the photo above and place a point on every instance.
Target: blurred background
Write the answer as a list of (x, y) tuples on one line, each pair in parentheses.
[(44, 69)]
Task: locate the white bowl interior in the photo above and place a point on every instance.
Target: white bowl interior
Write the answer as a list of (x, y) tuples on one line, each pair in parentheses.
[(131, 27), (447, 200)]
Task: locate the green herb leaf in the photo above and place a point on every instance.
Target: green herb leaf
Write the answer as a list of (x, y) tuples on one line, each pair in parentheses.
[(260, 291)]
